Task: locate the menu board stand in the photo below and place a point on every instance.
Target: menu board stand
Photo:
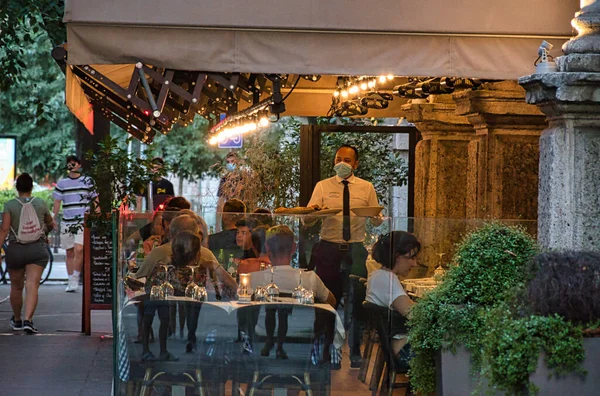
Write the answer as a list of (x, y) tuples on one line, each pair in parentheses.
[(97, 273)]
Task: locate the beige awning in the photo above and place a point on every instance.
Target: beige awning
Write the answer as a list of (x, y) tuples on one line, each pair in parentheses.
[(496, 39)]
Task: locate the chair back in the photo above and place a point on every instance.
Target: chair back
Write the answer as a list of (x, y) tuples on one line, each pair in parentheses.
[(387, 323)]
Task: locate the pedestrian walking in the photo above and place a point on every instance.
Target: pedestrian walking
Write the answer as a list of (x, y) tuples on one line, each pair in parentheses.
[(25, 221), (74, 192)]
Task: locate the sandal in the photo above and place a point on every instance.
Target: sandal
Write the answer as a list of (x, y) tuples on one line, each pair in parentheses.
[(168, 357)]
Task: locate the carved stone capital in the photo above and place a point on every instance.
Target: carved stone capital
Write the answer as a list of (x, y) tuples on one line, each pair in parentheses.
[(498, 105), (436, 115)]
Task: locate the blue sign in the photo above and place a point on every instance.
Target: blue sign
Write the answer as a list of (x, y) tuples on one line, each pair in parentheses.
[(232, 142)]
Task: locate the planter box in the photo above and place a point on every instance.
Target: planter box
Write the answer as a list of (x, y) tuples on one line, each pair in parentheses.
[(571, 384), (454, 376)]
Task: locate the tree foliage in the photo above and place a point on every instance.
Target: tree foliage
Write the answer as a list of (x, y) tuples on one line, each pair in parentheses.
[(32, 103), (186, 151), (17, 33)]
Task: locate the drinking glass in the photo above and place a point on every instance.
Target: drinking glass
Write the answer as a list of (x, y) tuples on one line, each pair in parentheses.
[(298, 293), (190, 289), (309, 297), (260, 294), (272, 289), (167, 287), (156, 293)]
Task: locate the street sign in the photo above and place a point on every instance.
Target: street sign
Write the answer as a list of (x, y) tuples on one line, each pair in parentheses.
[(236, 141)]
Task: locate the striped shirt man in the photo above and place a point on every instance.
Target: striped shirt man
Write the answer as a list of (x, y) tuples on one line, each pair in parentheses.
[(75, 194)]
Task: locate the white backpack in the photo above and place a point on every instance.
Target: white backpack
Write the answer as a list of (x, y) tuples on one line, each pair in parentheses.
[(30, 229)]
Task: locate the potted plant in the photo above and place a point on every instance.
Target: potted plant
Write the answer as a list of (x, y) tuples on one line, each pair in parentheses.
[(541, 341), (449, 322)]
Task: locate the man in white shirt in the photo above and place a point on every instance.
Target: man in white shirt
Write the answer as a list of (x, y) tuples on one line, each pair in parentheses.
[(280, 247), (340, 250)]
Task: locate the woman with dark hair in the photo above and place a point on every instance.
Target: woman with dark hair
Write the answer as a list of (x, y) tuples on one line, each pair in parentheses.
[(27, 252), (396, 253)]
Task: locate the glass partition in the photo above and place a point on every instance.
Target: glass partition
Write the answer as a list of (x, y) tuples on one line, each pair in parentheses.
[(275, 302)]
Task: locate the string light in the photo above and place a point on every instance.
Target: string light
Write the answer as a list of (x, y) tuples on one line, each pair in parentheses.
[(247, 121)]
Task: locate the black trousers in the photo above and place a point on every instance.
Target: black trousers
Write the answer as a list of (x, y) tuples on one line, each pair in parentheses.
[(334, 263)]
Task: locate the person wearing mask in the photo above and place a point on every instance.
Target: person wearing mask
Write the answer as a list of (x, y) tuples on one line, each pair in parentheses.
[(396, 252), (233, 211), (159, 189), (27, 251), (340, 251), (280, 246), (74, 192), (228, 185)]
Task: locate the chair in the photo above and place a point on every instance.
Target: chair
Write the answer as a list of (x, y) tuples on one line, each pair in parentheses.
[(298, 371), (384, 320)]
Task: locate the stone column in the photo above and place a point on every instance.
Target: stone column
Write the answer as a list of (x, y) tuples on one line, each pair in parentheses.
[(569, 191), (442, 160), (504, 152), (443, 176)]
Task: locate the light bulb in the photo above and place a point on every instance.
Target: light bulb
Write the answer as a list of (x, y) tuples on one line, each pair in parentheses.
[(264, 121), (336, 93), (213, 140), (353, 90), (371, 84), (344, 94), (364, 86), (382, 79), (251, 126), (390, 77)]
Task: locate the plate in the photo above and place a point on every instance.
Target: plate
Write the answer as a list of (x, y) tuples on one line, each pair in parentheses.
[(367, 211), (326, 212), (293, 211)]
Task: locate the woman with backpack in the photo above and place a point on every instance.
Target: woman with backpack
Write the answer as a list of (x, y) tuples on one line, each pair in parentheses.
[(25, 221)]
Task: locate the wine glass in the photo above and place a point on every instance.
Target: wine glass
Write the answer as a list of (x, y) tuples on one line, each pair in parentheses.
[(309, 297), (298, 293), (156, 293), (272, 289), (191, 286), (167, 288), (439, 271)]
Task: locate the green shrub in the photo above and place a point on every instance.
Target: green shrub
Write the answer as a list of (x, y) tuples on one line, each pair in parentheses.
[(488, 266), (8, 194)]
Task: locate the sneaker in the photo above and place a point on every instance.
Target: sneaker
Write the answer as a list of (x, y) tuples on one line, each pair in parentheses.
[(16, 324), (29, 328), (73, 285)]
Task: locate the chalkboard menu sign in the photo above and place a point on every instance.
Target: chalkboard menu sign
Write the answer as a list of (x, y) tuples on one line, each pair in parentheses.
[(101, 257)]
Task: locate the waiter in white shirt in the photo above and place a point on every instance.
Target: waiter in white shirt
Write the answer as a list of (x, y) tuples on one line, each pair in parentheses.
[(340, 250)]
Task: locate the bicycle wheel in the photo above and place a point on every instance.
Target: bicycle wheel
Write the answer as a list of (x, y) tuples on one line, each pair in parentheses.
[(3, 271), (48, 269)]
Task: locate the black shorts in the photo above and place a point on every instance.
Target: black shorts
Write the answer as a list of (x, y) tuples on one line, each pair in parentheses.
[(19, 255)]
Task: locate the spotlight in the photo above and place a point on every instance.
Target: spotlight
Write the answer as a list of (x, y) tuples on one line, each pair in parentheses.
[(364, 86), (545, 63), (264, 121)]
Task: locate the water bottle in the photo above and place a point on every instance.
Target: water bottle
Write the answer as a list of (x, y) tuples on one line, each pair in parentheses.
[(140, 255)]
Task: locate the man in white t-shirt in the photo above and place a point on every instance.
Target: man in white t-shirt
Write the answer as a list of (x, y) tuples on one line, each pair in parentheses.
[(280, 247)]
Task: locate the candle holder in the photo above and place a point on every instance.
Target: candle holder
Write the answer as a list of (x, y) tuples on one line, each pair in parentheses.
[(244, 289)]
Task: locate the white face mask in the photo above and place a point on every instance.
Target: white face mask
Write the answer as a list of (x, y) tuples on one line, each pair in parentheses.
[(343, 170)]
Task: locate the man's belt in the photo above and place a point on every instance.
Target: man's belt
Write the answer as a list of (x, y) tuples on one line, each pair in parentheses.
[(341, 246)]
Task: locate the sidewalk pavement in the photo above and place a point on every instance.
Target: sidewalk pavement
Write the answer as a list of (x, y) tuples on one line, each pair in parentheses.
[(59, 360)]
